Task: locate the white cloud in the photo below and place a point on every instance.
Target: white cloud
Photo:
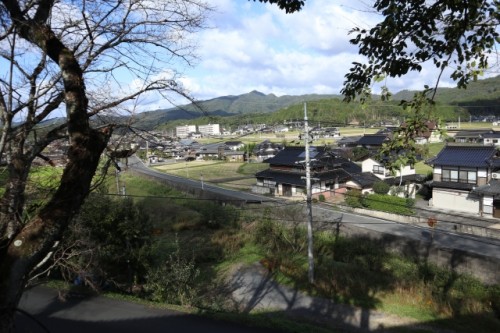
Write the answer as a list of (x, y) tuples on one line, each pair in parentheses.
[(258, 47)]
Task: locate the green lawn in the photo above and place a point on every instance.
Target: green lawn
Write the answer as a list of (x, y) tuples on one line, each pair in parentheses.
[(434, 149)]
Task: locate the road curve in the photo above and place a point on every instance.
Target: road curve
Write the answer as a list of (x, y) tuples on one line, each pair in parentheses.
[(137, 165)]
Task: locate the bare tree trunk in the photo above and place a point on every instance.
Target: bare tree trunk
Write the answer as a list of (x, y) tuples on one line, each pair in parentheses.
[(94, 38), (30, 241)]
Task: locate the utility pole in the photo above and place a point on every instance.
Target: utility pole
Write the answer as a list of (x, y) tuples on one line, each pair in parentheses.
[(117, 176), (310, 254)]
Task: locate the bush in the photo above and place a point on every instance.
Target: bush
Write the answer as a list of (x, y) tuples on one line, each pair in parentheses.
[(321, 198), (410, 203), (215, 216), (109, 239), (381, 187), (174, 280), (354, 199)]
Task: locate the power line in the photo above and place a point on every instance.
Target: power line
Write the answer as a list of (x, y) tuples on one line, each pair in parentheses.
[(329, 221)]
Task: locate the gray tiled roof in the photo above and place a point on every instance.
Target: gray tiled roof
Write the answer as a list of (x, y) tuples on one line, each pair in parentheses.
[(365, 179), (296, 178), (373, 139), (453, 185), (492, 188), (465, 156), (291, 155), (472, 133)]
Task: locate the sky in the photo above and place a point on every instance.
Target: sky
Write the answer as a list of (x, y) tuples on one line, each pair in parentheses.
[(254, 46)]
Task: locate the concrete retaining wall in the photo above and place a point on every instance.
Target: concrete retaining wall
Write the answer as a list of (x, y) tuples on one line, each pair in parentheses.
[(482, 267), (457, 227)]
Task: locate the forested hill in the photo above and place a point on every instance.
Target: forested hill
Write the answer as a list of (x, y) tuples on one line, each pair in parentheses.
[(249, 103), (480, 98)]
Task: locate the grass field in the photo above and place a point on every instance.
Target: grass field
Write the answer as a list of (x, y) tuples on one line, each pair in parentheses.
[(238, 176)]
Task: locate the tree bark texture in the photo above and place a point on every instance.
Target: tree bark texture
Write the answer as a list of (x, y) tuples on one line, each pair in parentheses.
[(28, 240)]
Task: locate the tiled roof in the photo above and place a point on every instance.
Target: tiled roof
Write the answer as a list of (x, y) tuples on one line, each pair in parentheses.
[(350, 167), (452, 185), (491, 134), (348, 140), (466, 156), (492, 188), (372, 139), (414, 178), (295, 178), (291, 155), (365, 179), (472, 133)]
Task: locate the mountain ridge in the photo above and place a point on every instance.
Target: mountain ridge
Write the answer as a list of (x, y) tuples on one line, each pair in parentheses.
[(482, 96)]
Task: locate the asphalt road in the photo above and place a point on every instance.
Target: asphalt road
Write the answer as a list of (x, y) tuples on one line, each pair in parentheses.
[(439, 238), (104, 315), (136, 164)]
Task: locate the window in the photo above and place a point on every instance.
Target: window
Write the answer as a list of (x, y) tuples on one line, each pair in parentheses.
[(459, 175), (378, 169)]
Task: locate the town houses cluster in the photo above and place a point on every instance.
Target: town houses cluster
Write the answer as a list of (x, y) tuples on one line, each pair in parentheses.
[(465, 174)]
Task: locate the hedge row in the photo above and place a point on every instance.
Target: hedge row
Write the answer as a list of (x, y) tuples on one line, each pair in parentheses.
[(381, 202)]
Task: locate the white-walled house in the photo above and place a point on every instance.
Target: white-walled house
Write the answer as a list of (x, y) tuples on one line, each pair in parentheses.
[(491, 138), (379, 170), (405, 176), (464, 179)]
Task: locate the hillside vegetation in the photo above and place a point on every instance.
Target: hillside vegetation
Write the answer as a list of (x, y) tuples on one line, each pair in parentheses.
[(480, 98)]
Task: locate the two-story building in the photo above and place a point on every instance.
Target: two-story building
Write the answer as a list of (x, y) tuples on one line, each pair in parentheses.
[(462, 178), (209, 129), (265, 150), (185, 130), (404, 180), (286, 173)]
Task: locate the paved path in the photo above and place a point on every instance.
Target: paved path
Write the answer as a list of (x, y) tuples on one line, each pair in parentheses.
[(251, 288), (105, 315), (254, 288)]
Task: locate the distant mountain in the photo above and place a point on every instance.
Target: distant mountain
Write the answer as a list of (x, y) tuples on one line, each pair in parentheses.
[(480, 98), (252, 102)]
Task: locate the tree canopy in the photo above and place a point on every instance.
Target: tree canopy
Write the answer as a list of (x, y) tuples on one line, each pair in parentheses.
[(461, 35), (290, 6)]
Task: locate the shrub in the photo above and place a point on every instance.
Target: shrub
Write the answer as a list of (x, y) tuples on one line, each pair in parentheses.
[(381, 187), (354, 199), (321, 198), (214, 216), (410, 203), (174, 280)]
